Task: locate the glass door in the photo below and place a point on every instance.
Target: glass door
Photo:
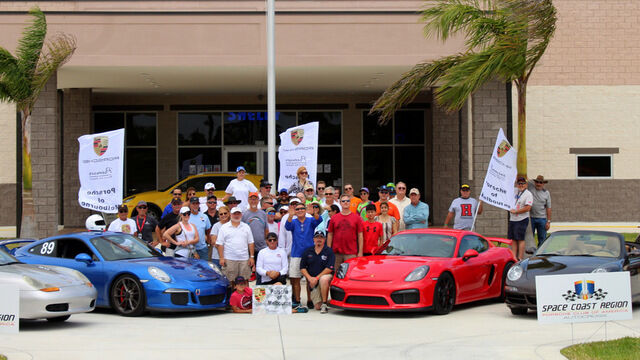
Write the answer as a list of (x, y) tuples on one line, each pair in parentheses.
[(248, 156)]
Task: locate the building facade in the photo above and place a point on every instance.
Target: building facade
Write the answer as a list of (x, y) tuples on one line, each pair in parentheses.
[(187, 80)]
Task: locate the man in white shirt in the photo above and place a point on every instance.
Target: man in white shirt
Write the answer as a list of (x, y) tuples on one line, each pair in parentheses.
[(401, 201), (240, 188), (235, 247), (272, 264), (209, 189), (519, 217), (122, 223)]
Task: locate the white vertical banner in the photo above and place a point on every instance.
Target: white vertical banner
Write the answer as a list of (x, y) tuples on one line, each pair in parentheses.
[(298, 147), (9, 309), (101, 169), (499, 183)]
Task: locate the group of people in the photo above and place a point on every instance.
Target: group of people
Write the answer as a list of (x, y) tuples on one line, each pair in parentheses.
[(303, 231)]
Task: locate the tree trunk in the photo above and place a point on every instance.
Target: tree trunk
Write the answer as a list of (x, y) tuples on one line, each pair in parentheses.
[(28, 227), (522, 127)]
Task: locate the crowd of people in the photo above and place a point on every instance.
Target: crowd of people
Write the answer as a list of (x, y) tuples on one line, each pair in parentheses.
[(305, 231)]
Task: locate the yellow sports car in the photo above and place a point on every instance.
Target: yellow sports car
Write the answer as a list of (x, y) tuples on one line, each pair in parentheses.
[(158, 200)]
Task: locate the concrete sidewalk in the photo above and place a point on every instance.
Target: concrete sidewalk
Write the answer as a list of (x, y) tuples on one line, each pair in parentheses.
[(481, 331)]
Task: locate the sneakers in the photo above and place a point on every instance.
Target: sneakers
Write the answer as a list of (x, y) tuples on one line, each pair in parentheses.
[(310, 304), (295, 304), (300, 310), (324, 309)]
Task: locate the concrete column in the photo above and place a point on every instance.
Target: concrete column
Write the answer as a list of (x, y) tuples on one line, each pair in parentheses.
[(167, 148), (76, 122), (45, 161), (352, 149), (445, 157)]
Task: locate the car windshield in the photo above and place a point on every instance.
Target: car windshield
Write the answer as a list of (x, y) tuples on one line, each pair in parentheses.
[(6, 259), (581, 244), (121, 247), (432, 245)]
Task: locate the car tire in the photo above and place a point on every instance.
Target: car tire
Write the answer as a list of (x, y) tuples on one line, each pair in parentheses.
[(504, 281), (154, 211), (444, 295), (127, 296), (519, 310), (59, 318)]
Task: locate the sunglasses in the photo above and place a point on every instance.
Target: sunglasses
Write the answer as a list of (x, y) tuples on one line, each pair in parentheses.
[(267, 187), (345, 201), (268, 203), (538, 182), (272, 240), (320, 188), (309, 190), (122, 211), (142, 207), (301, 209), (177, 194), (401, 188), (522, 183), (348, 188), (188, 213), (271, 213), (221, 213), (384, 191), (304, 173), (212, 189), (328, 193), (211, 202), (316, 207)]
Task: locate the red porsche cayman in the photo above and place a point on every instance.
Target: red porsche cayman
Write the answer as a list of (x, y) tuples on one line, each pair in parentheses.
[(424, 269)]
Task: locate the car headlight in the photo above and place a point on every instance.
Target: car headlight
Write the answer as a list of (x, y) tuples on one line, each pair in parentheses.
[(38, 285), (515, 273), (600, 270), (418, 273), (342, 271), (215, 268), (159, 274)]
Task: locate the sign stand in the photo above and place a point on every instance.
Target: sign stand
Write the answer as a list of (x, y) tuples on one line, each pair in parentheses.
[(475, 215)]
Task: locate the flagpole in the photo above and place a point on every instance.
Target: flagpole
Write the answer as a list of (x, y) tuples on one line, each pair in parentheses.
[(271, 94), (475, 215)]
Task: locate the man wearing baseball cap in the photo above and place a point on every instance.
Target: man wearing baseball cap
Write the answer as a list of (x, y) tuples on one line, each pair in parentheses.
[(201, 221), (464, 209), (240, 188), (541, 208), (416, 214), (257, 221), (519, 217), (317, 266), (235, 247)]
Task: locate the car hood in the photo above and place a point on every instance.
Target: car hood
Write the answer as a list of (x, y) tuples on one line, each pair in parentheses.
[(385, 267), (48, 276), (557, 265), (179, 269)]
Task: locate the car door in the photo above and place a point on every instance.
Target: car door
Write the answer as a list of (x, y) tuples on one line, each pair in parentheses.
[(632, 265), (473, 274)]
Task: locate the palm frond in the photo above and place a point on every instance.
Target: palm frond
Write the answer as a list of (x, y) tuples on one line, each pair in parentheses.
[(58, 52), (404, 90), (16, 85), (30, 45)]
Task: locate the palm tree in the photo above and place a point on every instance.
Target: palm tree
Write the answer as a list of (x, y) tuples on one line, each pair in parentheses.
[(504, 39), (22, 77)]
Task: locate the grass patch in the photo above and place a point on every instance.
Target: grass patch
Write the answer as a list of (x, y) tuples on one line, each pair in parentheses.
[(620, 349), (2, 357)]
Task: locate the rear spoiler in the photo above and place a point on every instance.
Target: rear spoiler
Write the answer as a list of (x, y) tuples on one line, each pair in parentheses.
[(499, 240)]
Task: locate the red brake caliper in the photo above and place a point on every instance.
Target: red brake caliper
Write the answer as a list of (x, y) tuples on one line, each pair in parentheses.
[(122, 294)]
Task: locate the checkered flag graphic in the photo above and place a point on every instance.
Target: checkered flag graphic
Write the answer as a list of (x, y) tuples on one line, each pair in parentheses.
[(599, 294), (571, 295)]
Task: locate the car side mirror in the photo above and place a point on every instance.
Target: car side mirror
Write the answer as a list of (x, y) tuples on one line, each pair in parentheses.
[(471, 253), (85, 258)]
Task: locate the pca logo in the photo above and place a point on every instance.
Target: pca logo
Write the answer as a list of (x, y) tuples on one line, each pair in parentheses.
[(100, 145), (584, 290), (297, 136), (503, 148)]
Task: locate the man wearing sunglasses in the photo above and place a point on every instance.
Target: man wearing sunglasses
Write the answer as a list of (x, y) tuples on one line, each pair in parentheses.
[(145, 225), (320, 190), (345, 234), (122, 223), (401, 201), (540, 209), (175, 194), (272, 263)]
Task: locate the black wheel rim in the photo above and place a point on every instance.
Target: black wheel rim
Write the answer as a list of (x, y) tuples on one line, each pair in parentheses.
[(127, 295), (446, 293)]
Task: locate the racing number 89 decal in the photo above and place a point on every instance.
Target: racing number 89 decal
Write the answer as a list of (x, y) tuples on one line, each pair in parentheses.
[(47, 248)]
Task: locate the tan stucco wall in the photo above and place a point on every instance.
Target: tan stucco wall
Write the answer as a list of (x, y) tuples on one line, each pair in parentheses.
[(8, 143), (563, 117)]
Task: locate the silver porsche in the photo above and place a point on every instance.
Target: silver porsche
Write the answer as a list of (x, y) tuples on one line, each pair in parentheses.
[(47, 292)]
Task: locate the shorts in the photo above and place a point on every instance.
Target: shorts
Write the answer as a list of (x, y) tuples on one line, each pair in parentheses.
[(280, 279), (315, 294), (518, 229), (235, 268), (294, 268)]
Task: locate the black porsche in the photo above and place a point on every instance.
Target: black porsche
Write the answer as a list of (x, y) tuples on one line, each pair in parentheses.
[(572, 252)]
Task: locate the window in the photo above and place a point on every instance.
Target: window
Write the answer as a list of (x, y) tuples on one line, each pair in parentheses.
[(472, 242), (594, 166), (48, 248), (330, 125), (140, 146), (70, 248), (395, 151)]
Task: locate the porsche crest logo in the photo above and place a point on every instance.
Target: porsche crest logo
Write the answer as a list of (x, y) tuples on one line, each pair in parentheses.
[(297, 136), (100, 145), (503, 148)]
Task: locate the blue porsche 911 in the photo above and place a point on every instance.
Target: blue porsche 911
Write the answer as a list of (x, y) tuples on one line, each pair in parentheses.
[(130, 276)]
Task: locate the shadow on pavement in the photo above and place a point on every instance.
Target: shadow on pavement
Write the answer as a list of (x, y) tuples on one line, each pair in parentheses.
[(44, 325)]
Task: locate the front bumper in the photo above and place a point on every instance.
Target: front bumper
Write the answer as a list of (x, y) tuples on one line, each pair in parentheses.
[(382, 296), (36, 304), (186, 295), (515, 297)]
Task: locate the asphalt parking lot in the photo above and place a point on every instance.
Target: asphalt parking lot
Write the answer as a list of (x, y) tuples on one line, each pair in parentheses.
[(484, 330)]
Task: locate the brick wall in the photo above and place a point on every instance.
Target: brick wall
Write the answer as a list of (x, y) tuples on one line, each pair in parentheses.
[(445, 164), (76, 122), (45, 161), (489, 115)]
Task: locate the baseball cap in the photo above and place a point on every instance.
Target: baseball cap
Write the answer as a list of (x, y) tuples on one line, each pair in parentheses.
[(232, 199), (284, 190), (265, 184), (285, 208), (123, 208), (212, 197), (465, 186), (251, 194), (195, 200), (391, 185), (270, 208), (294, 200), (208, 186), (141, 202), (308, 186), (236, 210), (240, 279), (383, 188), (240, 168), (272, 235), (176, 201), (184, 209), (521, 179), (414, 191), (319, 233), (365, 189)]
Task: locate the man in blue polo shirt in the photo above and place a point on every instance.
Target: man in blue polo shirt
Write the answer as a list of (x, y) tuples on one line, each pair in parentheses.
[(202, 224), (316, 266)]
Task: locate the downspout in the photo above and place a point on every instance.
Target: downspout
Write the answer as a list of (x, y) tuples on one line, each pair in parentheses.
[(18, 174)]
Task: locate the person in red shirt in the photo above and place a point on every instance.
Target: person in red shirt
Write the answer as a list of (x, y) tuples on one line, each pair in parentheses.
[(372, 231), (241, 301), (345, 233), (383, 193)]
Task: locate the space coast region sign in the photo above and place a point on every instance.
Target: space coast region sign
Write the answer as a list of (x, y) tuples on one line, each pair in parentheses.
[(100, 169), (583, 297), (271, 299), (9, 309)]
